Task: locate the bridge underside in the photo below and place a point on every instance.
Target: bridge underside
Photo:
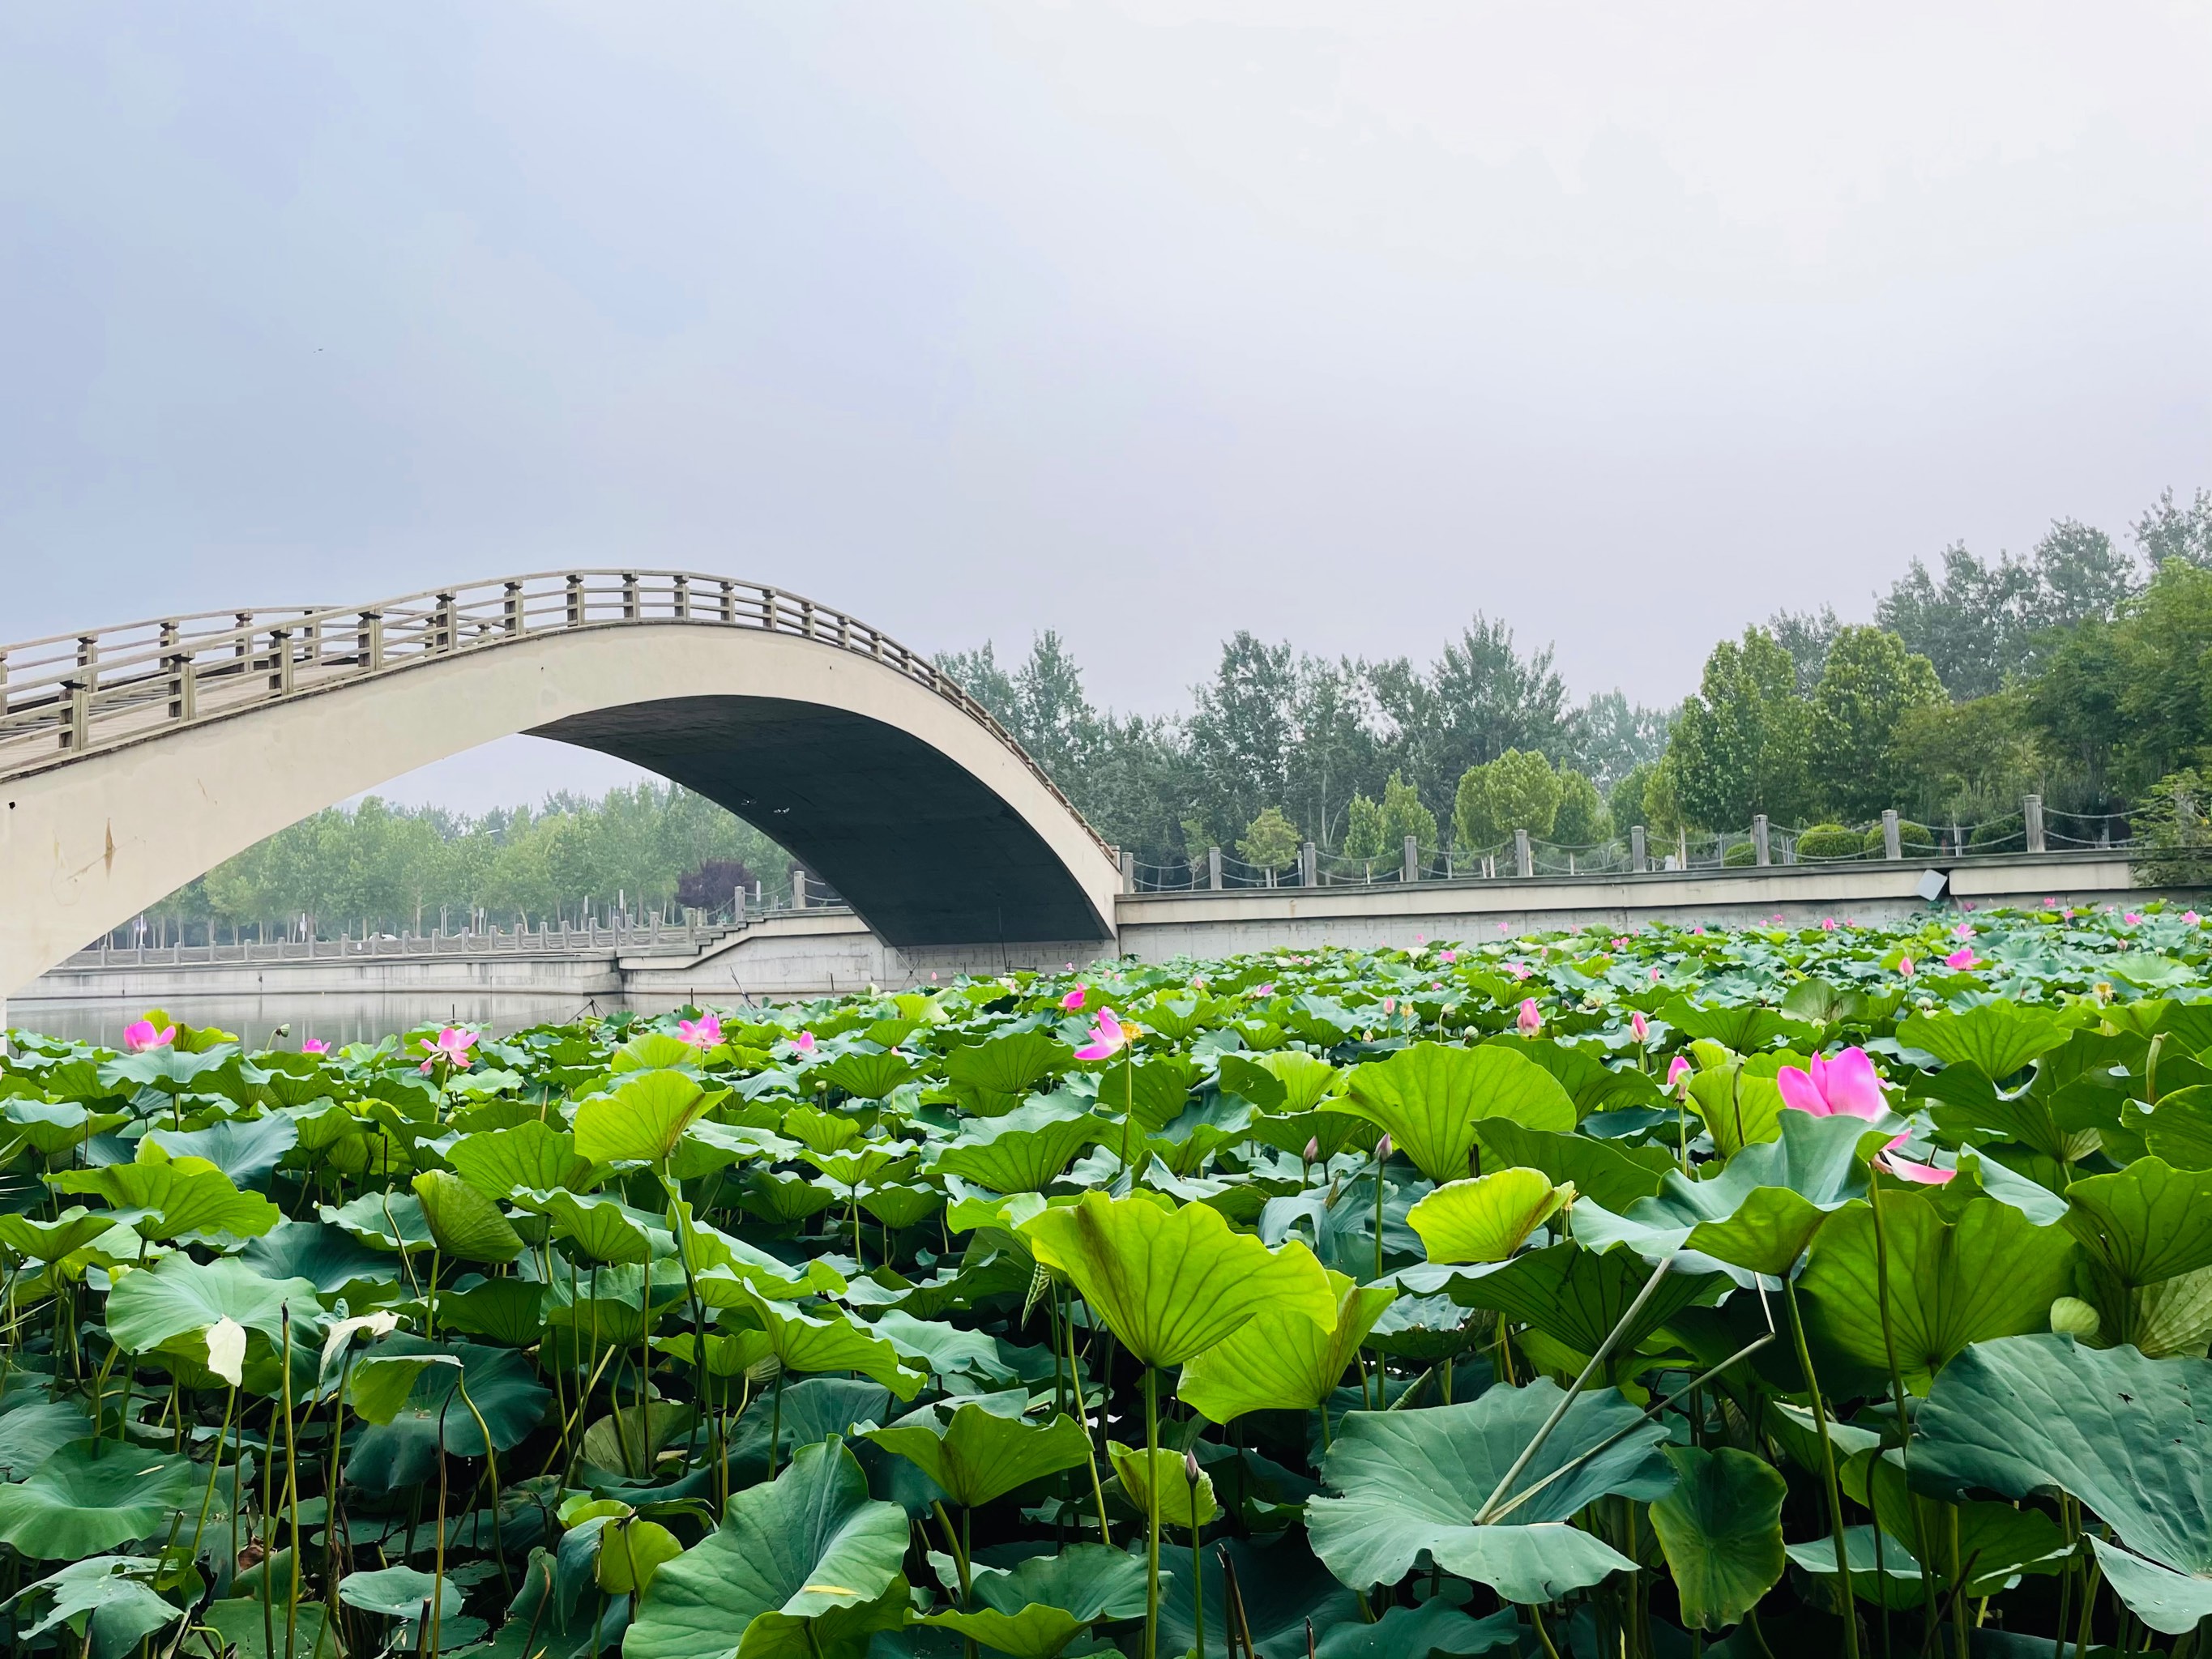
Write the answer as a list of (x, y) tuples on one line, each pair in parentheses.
[(921, 849)]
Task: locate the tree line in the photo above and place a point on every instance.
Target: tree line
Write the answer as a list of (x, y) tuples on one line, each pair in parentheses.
[(2079, 671)]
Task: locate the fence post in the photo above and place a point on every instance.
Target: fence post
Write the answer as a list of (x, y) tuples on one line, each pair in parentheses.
[(1892, 844), (1638, 860), (798, 888), (1308, 865), (1759, 850), (1412, 869), (2030, 811), (1524, 862), (1214, 868), (1128, 863)]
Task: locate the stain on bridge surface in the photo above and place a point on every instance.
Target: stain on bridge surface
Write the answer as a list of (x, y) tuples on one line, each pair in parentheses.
[(923, 850)]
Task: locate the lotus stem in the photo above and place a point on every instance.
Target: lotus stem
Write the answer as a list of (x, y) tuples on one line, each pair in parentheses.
[(1152, 1513), (1850, 1613), (1482, 1516), (291, 1484), (1897, 1399), (207, 1499)]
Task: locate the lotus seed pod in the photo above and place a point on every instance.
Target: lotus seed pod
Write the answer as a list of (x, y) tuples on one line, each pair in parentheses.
[(2074, 1317)]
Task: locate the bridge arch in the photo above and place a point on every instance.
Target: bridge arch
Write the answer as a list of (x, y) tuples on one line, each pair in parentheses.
[(133, 759)]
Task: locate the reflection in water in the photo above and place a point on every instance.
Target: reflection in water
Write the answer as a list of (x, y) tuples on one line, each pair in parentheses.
[(334, 1019)]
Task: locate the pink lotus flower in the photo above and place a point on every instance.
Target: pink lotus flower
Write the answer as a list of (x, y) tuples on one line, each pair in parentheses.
[(452, 1046), (1677, 1070), (1390, 1004), (804, 1043), (1848, 1085), (2132, 918), (704, 1032), (1828, 924), (1266, 990), (1106, 1037), (1620, 944), (1904, 966), (140, 1035), (2189, 916), (2051, 904), (1655, 976), (1962, 931), (1518, 969), (1777, 915), (1421, 938), (313, 1046), (1073, 1001), (1501, 928), (1961, 959), (1638, 1027), (1447, 955), (1530, 1019)]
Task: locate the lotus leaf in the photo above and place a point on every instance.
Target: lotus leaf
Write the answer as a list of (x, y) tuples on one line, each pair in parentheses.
[(1721, 1528), (1283, 1361), (1487, 1219), (91, 1496), (979, 1454), (1429, 1097)]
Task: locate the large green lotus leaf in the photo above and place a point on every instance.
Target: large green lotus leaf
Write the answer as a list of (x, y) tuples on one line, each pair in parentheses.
[(1007, 1066), (2180, 1130), (531, 1156), (1155, 1092), (1412, 1481), (1487, 1219), (248, 1149), (1721, 1530), (1615, 1176), (1284, 1361), (178, 1297), (1817, 1159), (1989, 1273), (236, 1620), (1992, 1540), (944, 1349), (400, 1593), (33, 1432), (1172, 1282), (1023, 1151), (1183, 1503), (112, 1594), (91, 1496), (185, 1195), (838, 1343), (1430, 1097), (642, 1119), (1283, 1082), (51, 1126), (467, 1225), (1577, 1296), (1745, 1027), (807, 1567), (1280, 1584), (510, 1311), (605, 1228), (49, 1241), (2122, 1434), (1997, 1039), (1739, 1108), (169, 1069), (1768, 1232), (1434, 1626), (980, 1456), (868, 1076), (404, 1452), (1592, 1084), (1037, 1607), (328, 1257), (900, 1205), (383, 1221), (2148, 1221), (628, 1440)]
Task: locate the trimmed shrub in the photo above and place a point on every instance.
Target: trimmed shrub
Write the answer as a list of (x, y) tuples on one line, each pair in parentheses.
[(2000, 835), (1824, 842), (1740, 854), (1914, 841)]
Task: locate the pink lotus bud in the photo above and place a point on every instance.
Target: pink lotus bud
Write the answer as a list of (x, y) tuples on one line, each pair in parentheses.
[(804, 1043), (1530, 1018), (1655, 976), (1904, 966), (1390, 1004), (1073, 1000), (1190, 1470), (1639, 1027), (1313, 1150), (1382, 1150), (1677, 1070)]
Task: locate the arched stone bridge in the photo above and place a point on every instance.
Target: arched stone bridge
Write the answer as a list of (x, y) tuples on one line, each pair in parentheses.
[(134, 758)]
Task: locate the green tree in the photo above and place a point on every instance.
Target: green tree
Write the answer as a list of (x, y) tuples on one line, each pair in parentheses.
[(1966, 761), (1739, 745), (2166, 648), (1270, 841), (1403, 815), (1806, 635), (1581, 820), (2170, 531), (1363, 829), (1871, 682), (1517, 791)]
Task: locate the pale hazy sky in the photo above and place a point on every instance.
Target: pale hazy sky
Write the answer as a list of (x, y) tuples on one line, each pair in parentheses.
[(1146, 322)]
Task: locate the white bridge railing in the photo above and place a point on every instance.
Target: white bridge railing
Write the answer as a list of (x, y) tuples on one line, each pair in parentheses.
[(72, 694)]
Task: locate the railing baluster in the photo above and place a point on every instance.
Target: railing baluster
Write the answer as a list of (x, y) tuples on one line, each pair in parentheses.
[(575, 586), (513, 612), (630, 596), (767, 610), (682, 598), (729, 615)]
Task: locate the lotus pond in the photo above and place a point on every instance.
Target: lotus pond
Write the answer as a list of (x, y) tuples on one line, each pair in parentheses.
[(1773, 1292)]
